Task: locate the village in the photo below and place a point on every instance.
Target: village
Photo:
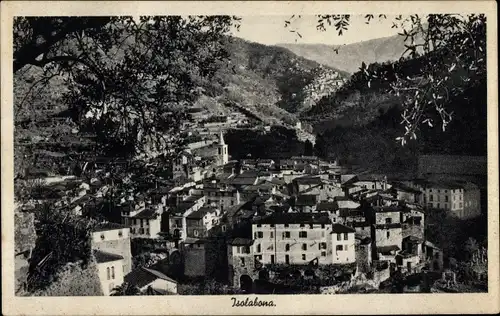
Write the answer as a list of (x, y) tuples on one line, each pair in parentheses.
[(296, 225)]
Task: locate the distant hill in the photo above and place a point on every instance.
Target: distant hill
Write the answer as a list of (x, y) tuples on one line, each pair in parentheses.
[(271, 82), (350, 56)]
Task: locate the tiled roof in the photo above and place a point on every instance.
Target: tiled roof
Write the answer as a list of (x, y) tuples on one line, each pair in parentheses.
[(339, 228), (199, 214), (306, 200), (142, 277), (148, 213), (241, 242), (308, 180), (295, 218), (102, 256)]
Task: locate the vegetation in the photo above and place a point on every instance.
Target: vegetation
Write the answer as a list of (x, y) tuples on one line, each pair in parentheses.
[(280, 142), (62, 238), (74, 280), (450, 52)]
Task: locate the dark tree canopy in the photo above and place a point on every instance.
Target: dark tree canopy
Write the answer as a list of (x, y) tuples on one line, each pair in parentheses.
[(451, 49), (128, 79)]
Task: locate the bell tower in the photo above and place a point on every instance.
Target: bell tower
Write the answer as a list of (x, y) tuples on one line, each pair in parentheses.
[(222, 153)]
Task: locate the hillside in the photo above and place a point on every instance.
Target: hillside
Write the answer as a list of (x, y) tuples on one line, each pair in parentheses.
[(359, 123), (350, 57), (271, 82)]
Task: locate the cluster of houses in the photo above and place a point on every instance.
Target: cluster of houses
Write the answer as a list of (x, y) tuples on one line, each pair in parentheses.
[(243, 217)]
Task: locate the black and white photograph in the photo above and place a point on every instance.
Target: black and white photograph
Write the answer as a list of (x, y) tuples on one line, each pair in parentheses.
[(251, 156)]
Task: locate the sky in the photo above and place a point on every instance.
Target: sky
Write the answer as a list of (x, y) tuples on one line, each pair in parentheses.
[(270, 30)]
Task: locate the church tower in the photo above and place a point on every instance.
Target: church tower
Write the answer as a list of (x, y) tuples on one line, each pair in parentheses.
[(222, 153)]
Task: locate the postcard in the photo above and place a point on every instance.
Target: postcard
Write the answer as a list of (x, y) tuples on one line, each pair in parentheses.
[(252, 157)]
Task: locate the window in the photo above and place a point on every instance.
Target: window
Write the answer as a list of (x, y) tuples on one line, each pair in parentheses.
[(238, 249), (272, 259), (232, 202), (147, 231), (323, 226), (260, 235), (339, 248), (246, 249), (388, 220), (311, 226), (242, 262), (438, 206), (322, 245), (258, 248), (286, 235), (302, 234), (287, 247), (431, 198), (304, 256), (112, 272), (102, 236), (287, 259), (346, 236), (323, 253), (108, 273), (304, 246), (286, 225), (439, 191), (339, 237), (460, 205), (259, 225), (271, 235), (388, 234), (120, 233), (302, 225)]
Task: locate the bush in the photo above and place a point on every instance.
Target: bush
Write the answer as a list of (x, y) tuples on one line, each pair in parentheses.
[(74, 280)]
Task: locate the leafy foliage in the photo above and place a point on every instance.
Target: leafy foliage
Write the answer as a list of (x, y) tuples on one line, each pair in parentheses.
[(453, 51), (280, 142), (131, 77), (62, 238), (125, 289), (74, 280)]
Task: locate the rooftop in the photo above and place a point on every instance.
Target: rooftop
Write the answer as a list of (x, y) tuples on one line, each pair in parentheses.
[(326, 206), (147, 213), (339, 228), (295, 218), (308, 180), (306, 200), (199, 214), (102, 256), (142, 277), (241, 242)]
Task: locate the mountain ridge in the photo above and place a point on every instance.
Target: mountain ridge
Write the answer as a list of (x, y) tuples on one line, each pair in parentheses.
[(350, 56)]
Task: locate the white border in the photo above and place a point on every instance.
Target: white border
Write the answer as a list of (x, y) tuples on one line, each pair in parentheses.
[(285, 304)]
